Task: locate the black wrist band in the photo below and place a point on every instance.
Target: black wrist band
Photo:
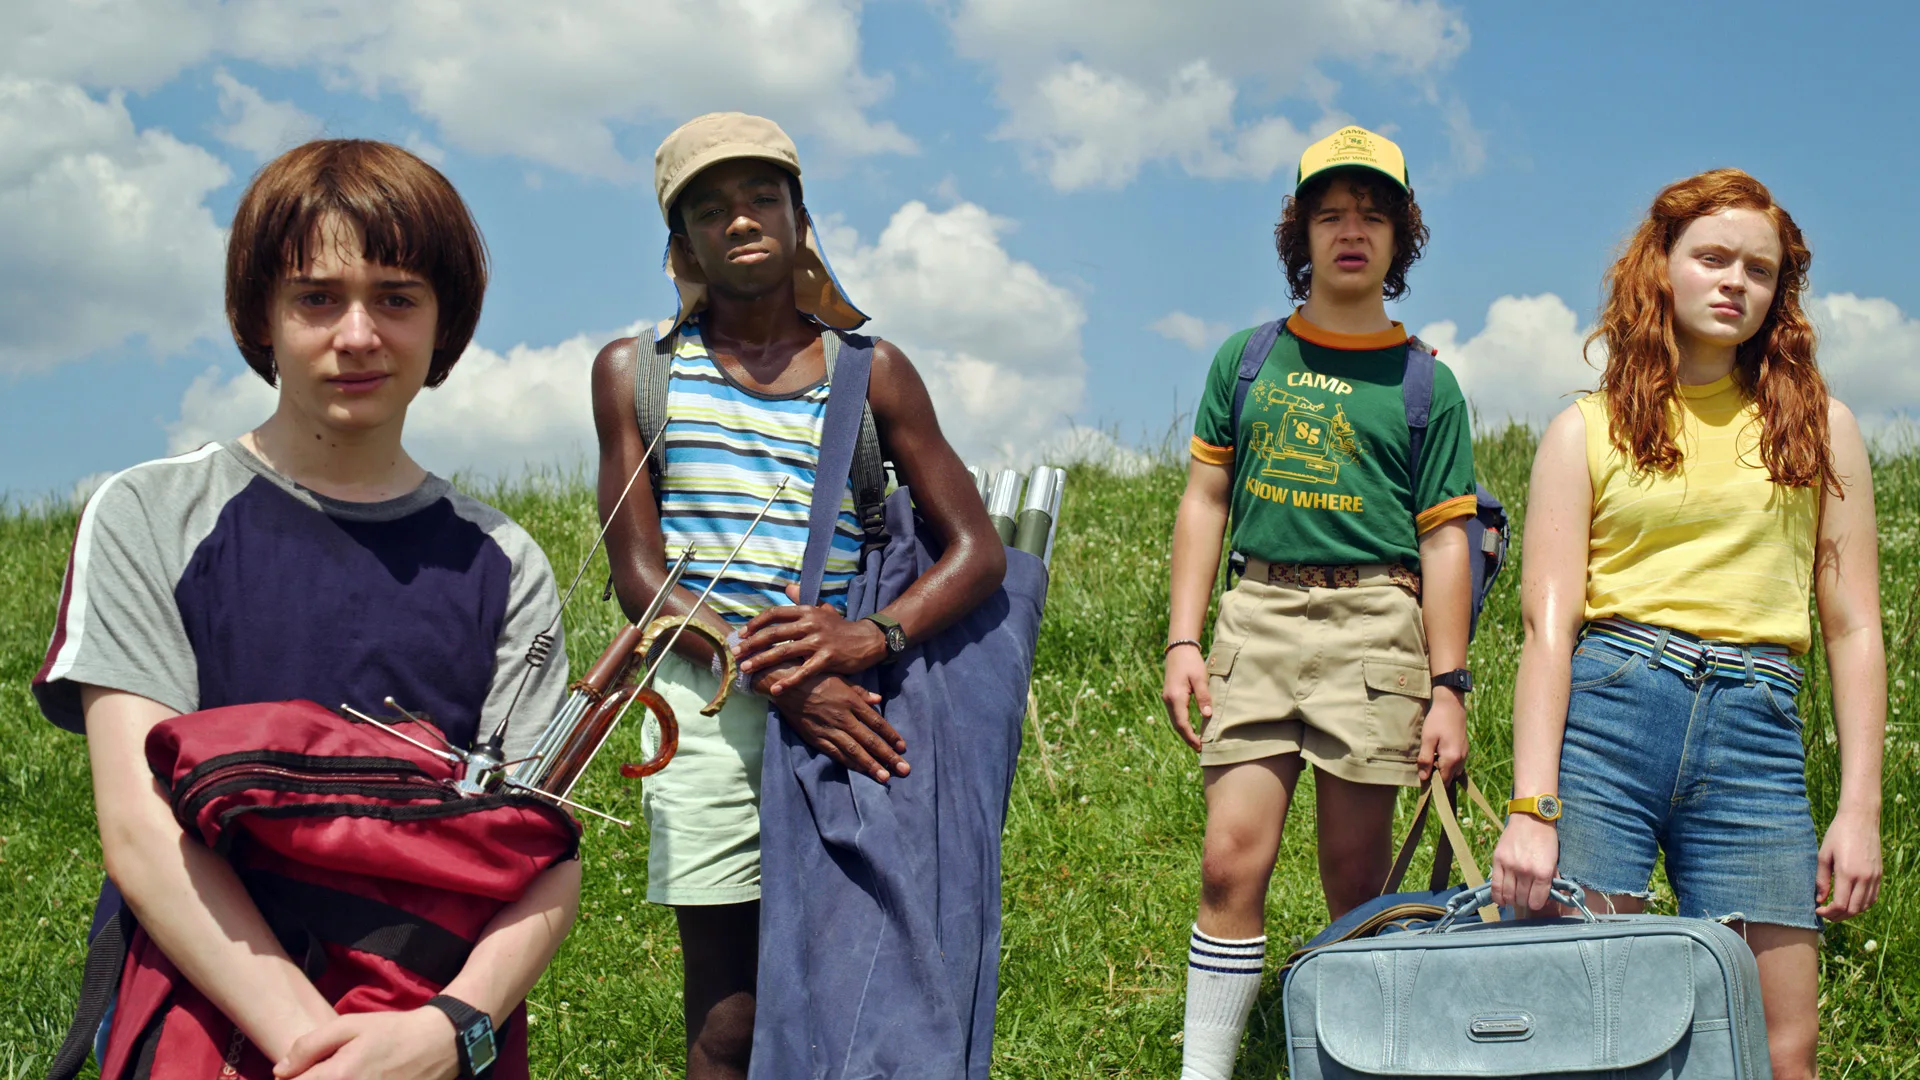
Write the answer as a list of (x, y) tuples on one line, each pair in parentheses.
[(472, 1035)]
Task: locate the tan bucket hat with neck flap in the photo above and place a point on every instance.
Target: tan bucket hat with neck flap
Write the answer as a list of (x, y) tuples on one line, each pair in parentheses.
[(706, 141)]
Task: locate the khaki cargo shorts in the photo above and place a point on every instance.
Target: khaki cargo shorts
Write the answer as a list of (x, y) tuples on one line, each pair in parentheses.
[(1336, 675)]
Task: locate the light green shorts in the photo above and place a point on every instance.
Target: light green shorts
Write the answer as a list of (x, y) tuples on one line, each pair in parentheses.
[(703, 809)]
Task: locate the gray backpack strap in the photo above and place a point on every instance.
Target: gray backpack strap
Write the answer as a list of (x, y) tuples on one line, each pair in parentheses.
[(868, 473), (1253, 356), (652, 363), (1416, 389)]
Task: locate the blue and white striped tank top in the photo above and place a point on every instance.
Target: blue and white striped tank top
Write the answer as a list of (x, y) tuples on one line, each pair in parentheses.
[(726, 449)]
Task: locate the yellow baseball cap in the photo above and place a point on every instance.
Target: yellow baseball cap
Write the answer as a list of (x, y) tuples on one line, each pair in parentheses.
[(706, 141), (1350, 147)]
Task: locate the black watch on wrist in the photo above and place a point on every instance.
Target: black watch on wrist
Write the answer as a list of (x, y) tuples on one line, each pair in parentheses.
[(472, 1035), (896, 637), (1460, 679)]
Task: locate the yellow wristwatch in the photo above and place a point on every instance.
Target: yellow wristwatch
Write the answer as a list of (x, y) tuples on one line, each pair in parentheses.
[(1544, 807)]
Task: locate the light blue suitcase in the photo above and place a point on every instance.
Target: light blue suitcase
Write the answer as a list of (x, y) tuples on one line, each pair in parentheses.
[(1627, 997)]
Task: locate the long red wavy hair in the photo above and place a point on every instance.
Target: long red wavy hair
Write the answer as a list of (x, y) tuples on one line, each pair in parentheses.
[(1774, 368)]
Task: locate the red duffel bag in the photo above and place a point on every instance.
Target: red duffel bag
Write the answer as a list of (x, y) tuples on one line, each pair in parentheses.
[(373, 872)]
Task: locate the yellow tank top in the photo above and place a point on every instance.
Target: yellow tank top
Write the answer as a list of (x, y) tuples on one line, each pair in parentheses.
[(1716, 549)]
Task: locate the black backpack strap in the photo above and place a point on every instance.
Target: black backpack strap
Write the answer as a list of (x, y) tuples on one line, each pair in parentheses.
[(868, 472), (1253, 356), (1416, 387), (100, 980)]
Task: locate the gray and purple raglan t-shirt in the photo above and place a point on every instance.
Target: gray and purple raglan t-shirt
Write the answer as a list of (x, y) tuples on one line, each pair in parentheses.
[(208, 579)]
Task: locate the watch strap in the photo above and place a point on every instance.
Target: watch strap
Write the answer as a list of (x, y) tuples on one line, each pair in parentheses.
[(464, 1017), (1531, 805), (893, 632)]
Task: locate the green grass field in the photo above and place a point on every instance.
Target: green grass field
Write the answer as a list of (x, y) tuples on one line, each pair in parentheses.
[(1102, 848)]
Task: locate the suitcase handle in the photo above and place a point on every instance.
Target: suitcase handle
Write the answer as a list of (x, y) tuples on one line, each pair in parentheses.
[(1467, 899)]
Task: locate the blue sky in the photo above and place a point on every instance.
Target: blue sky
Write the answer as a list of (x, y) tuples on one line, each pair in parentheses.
[(1057, 208)]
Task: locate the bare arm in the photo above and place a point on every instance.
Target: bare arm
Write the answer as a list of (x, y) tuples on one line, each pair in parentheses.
[(1199, 528), (1846, 582), (636, 548), (418, 1044), (1553, 603), (972, 560), (187, 898), (1446, 608), (833, 716)]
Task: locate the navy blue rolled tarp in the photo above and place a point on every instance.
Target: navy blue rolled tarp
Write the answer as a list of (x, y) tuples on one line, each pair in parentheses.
[(880, 904)]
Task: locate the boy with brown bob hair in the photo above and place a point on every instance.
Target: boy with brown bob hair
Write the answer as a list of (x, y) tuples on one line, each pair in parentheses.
[(310, 558)]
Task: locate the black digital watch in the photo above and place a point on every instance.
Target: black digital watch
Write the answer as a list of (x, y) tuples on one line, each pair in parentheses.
[(472, 1035)]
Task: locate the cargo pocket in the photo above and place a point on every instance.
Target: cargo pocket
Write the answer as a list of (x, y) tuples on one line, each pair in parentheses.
[(1219, 681), (1397, 677), (1396, 696)]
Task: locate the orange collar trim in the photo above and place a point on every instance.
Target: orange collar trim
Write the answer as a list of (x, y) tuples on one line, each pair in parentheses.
[(1379, 339)]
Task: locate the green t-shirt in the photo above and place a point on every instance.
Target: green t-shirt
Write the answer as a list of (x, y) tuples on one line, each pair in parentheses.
[(1325, 478)]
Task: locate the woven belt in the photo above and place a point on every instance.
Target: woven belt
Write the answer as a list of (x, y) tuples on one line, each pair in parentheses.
[(1697, 658), (1333, 577)]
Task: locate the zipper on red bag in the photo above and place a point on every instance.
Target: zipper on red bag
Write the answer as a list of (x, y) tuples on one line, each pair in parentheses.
[(405, 782)]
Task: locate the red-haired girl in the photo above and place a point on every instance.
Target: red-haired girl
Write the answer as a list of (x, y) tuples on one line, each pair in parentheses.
[(1677, 520)]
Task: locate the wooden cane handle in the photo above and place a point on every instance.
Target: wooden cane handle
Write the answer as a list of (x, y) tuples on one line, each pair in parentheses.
[(669, 736), (666, 624)]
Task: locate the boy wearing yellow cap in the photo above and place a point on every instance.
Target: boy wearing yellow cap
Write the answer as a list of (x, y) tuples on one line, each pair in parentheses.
[(746, 389), (1344, 644)]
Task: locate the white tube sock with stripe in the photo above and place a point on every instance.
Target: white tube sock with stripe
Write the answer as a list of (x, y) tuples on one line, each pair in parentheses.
[(1223, 978)]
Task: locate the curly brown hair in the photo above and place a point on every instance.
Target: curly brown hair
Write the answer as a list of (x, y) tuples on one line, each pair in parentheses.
[(1290, 232)]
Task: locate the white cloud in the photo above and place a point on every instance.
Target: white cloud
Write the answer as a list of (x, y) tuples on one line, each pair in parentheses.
[(260, 127), (1870, 355), (136, 44), (215, 408), (430, 152), (1523, 365), (1096, 129), (496, 415), (1096, 90), (103, 230), (999, 346), (557, 84), (1468, 142), (1190, 330), (997, 342), (1090, 446)]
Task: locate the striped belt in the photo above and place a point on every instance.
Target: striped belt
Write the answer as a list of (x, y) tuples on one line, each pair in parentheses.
[(1696, 658), (1333, 577)]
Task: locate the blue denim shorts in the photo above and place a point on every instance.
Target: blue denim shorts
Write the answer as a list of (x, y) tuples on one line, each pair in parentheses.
[(1706, 766)]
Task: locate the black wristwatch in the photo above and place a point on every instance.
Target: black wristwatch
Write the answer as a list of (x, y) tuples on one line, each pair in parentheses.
[(896, 637), (472, 1035), (1460, 679)]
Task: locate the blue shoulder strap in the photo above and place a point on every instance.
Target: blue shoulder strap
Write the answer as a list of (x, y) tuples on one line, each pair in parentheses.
[(1253, 356), (850, 358), (1416, 387)]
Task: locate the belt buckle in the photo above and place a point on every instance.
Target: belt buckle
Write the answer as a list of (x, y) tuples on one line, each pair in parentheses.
[(1702, 667)]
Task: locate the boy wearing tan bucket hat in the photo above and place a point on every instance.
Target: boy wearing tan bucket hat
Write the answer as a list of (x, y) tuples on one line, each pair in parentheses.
[(1343, 646), (745, 389)]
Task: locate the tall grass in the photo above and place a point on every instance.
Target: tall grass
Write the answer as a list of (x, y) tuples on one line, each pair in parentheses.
[(1102, 847)]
